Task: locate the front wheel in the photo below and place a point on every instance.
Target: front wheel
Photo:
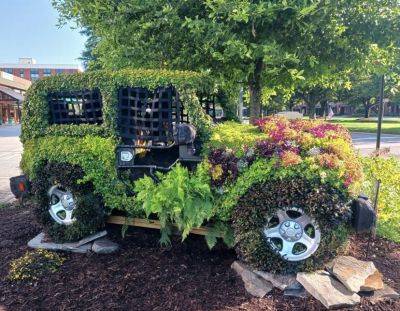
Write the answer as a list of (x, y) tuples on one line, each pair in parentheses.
[(68, 209)]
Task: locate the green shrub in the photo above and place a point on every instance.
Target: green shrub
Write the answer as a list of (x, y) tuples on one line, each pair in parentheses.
[(233, 135), (321, 201), (34, 264), (95, 155), (35, 112), (89, 213), (387, 170)]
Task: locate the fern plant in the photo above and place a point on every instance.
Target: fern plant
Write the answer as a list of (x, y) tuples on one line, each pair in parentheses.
[(180, 198)]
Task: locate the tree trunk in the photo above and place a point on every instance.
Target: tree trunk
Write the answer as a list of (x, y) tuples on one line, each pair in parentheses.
[(367, 110), (311, 110), (255, 89)]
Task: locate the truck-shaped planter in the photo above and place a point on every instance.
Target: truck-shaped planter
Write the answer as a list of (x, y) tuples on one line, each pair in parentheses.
[(139, 147)]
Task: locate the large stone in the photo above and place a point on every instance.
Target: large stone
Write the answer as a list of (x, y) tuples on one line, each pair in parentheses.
[(91, 238), (373, 282), (331, 293), (254, 284), (383, 294), (104, 246), (278, 280), (39, 242), (352, 272), (296, 290)]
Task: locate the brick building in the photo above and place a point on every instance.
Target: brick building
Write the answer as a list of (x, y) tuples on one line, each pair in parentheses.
[(28, 69), (12, 90)]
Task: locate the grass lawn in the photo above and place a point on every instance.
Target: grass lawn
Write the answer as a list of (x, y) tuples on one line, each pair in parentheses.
[(389, 126)]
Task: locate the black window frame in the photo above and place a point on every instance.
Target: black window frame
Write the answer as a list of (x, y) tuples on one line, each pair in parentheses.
[(76, 107)]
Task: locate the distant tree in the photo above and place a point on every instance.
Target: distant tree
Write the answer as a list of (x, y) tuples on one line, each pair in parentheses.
[(88, 56), (239, 40)]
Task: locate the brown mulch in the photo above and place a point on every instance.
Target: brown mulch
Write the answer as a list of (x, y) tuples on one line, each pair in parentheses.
[(145, 276)]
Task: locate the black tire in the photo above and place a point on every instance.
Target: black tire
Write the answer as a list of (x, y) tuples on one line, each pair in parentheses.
[(324, 203), (89, 211)]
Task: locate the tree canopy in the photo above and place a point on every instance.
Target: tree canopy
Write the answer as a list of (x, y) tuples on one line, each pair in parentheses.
[(262, 44)]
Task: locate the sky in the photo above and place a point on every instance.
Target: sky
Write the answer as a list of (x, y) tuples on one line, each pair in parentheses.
[(28, 28)]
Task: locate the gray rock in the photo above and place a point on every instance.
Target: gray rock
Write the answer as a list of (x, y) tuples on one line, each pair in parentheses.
[(104, 246), (295, 292), (384, 294), (38, 242), (331, 293), (254, 284), (353, 273), (278, 280), (92, 237)]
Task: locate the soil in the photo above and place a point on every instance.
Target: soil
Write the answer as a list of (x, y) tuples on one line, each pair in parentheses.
[(145, 276)]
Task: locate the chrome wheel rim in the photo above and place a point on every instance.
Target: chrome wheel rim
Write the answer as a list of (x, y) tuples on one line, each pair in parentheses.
[(292, 233), (62, 205)]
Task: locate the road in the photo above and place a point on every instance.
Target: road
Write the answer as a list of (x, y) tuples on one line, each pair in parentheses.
[(11, 148), (366, 143)]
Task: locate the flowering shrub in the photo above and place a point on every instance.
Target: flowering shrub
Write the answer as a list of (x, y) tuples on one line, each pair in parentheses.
[(323, 144), (34, 264), (224, 166), (323, 147)]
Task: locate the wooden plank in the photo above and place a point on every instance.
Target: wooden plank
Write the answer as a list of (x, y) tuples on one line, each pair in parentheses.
[(145, 223)]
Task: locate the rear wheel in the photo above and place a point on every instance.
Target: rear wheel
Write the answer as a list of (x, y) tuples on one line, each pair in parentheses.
[(67, 208), (290, 225)]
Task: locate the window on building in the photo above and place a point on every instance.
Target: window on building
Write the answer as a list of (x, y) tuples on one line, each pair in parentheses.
[(8, 70), (59, 71), (34, 74), (22, 73), (46, 72)]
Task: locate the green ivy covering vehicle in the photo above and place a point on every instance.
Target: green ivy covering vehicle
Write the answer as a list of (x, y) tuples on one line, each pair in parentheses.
[(139, 142)]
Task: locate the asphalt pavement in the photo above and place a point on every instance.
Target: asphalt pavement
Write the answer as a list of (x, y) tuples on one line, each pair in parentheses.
[(366, 143), (10, 156), (11, 149)]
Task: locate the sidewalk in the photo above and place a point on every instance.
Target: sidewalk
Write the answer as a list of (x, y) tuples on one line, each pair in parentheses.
[(10, 156)]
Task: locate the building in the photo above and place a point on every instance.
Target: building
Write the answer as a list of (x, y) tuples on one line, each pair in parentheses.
[(12, 90), (390, 109), (28, 69)]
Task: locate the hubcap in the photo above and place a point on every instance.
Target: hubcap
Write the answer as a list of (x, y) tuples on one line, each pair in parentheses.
[(291, 231), (62, 205), (293, 234)]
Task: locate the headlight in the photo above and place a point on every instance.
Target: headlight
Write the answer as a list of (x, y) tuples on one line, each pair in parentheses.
[(126, 156)]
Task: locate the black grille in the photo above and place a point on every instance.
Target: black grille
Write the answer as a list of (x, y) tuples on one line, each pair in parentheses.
[(76, 107), (149, 115)]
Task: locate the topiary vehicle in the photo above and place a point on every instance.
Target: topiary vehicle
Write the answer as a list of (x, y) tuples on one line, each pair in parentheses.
[(138, 143)]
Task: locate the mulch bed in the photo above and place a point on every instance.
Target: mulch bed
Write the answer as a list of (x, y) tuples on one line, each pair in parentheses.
[(145, 276)]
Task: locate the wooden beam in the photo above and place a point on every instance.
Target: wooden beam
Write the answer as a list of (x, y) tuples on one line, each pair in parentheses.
[(146, 223)]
